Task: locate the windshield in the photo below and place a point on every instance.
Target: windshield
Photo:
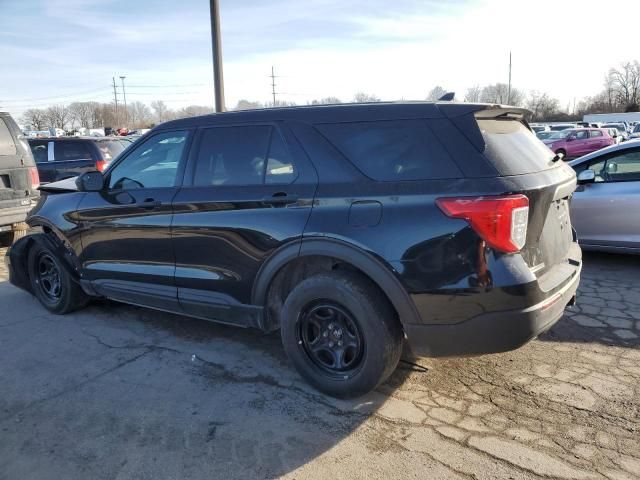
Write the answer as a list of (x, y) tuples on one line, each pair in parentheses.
[(111, 148), (544, 135), (559, 135), (637, 128)]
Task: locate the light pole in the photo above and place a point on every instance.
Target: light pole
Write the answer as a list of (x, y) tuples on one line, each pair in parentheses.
[(124, 96), (216, 46)]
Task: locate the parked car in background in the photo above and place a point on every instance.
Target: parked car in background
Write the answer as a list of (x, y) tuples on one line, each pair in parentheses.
[(18, 180), (620, 127), (545, 134), (616, 135), (635, 133), (58, 158), (605, 209), (349, 228), (578, 142), (562, 126), (539, 128)]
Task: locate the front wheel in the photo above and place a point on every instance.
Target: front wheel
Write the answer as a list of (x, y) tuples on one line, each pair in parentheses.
[(341, 333), (562, 153), (51, 282)]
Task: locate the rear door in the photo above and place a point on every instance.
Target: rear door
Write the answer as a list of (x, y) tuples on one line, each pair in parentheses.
[(607, 212), (73, 157), (247, 191), (16, 180)]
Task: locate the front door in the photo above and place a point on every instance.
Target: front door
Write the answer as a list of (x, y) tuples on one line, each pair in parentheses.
[(247, 192), (607, 212), (127, 252)]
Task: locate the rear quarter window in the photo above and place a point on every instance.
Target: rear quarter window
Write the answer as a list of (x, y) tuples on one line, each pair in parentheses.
[(72, 150), (392, 150), (7, 145), (512, 148)]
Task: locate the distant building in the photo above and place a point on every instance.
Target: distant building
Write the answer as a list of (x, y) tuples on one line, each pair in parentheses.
[(612, 117)]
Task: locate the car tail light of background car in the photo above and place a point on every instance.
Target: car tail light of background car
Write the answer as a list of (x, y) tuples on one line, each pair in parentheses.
[(101, 165), (35, 177), (500, 221)]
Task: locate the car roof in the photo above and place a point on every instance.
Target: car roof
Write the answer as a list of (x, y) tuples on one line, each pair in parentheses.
[(93, 139), (605, 151), (341, 113)]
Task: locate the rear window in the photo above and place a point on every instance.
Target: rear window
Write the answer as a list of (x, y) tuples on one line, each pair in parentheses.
[(110, 149), (71, 150), (7, 145), (392, 150), (512, 148)]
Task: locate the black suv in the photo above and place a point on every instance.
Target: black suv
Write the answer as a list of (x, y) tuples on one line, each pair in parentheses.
[(349, 228), (18, 181), (58, 158)]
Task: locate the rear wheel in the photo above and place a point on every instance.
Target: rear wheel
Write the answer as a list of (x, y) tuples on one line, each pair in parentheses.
[(341, 333), (562, 152), (51, 283)]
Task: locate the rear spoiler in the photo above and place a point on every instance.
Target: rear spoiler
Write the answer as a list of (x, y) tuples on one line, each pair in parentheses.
[(465, 115)]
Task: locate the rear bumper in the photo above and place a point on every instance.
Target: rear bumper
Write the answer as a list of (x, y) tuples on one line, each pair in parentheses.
[(494, 332), (9, 216)]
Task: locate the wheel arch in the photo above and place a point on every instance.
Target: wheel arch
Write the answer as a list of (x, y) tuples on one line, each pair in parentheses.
[(373, 267)]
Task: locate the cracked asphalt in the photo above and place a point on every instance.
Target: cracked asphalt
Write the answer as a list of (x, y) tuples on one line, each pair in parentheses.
[(118, 392)]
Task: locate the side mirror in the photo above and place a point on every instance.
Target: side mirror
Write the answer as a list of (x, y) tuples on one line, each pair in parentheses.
[(90, 182), (586, 176)]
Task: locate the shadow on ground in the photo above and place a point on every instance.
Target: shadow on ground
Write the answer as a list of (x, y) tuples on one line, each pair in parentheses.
[(608, 303)]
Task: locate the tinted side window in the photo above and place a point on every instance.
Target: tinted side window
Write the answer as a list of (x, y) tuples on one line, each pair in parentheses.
[(581, 134), (596, 133), (71, 150), (280, 168), (7, 146), (152, 164), (232, 155), (392, 150), (39, 150)]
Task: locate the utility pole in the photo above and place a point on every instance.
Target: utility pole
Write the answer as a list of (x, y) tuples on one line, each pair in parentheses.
[(273, 86), (115, 96), (509, 90), (124, 95), (216, 46)]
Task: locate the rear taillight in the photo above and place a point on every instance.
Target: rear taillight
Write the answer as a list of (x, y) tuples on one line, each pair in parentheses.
[(35, 178), (500, 221), (101, 165)]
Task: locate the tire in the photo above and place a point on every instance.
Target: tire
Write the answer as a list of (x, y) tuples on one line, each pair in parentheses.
[(562, 152), (55, 289), (330, 308)]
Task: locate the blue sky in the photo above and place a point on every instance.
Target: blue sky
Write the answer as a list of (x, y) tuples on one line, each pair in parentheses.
[(58, 51)]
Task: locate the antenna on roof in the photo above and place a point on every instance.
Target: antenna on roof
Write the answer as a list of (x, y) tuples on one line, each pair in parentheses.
[(447, 97)]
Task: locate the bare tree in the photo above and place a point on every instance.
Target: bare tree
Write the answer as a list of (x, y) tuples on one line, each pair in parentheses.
[(139, 115), (362, 97), (58, 116), (35, 117), (82, 113), (499, 93), (193, 111), (543, 107), (625, 83), (248, 105), (160, 109), (280, 103), (435, 93), (473, 94), (326, 101)]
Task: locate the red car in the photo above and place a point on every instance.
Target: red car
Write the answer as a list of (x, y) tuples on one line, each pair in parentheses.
[(580, 141)]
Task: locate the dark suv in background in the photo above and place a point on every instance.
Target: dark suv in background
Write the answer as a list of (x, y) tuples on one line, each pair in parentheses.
[(348, 228), (18, 181), (58, 158)]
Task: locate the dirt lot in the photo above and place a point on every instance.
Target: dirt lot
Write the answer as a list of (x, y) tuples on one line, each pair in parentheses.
[(121, 392)]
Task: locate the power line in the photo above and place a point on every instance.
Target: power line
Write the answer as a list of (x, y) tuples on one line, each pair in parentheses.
[(88, 92)]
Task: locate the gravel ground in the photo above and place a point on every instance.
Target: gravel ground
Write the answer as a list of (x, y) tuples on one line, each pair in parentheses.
[(121, 392)]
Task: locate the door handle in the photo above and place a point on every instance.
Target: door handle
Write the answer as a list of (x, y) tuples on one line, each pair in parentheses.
[(280, 198), (149, 203)]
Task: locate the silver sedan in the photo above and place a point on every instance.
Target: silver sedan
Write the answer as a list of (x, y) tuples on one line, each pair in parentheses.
[(605, 209)]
